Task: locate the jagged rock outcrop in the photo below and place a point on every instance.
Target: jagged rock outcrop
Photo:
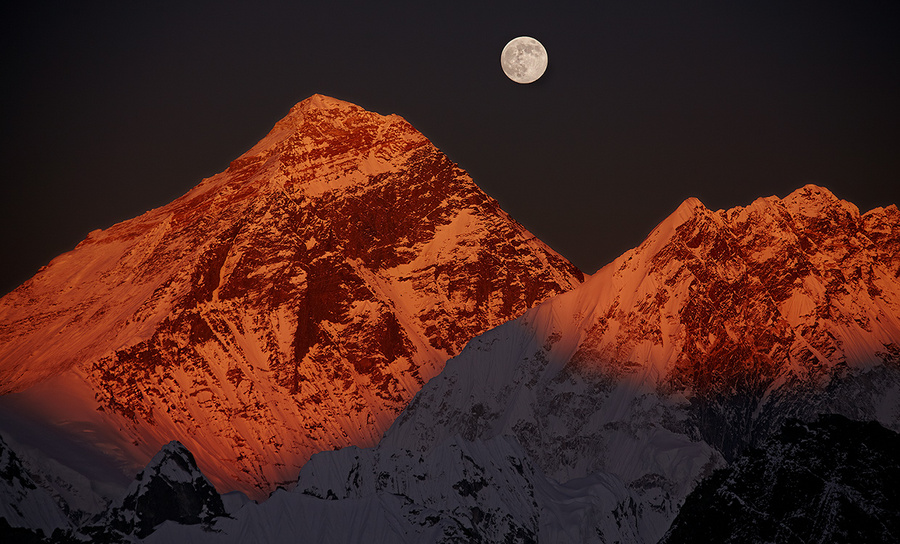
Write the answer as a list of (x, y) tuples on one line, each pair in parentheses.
[(170, 489)]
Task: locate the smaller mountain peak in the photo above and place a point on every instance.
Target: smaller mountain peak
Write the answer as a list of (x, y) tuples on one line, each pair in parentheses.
[(811, 192), (692, 203), (174, 447), (173, 462), (689, 209), (812, 200), (171, 487)]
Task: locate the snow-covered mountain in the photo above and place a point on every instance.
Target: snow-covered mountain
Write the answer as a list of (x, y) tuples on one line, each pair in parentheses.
[(674, 358), (739, 318), (171, 488), (624, 393), (592, 417), (291, 304), (296, 302)]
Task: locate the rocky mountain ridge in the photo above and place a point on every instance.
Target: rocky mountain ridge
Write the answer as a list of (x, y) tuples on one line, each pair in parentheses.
[(674, 359), (592, 417), (23, 501)]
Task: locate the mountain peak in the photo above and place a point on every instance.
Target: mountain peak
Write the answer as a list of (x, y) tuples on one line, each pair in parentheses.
[(815, 201), (691, 210), (321, 101), (293, 303), (688, 209), (174, 461), (336, 134), (811, 191), (685, 350), (171, 487)]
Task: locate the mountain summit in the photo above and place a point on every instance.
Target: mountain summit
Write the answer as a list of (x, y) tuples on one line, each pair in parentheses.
[(291, 304)]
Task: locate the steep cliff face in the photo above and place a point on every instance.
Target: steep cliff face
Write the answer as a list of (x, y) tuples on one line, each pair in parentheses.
[(291, 304)]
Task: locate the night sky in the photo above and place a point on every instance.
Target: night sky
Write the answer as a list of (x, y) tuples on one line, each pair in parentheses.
[(111, 109)]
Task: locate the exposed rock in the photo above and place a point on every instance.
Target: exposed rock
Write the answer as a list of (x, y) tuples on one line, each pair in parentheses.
[(171, 488), (293, 303)]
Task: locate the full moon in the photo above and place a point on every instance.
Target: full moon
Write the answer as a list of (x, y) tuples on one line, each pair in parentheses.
[(523, 59)]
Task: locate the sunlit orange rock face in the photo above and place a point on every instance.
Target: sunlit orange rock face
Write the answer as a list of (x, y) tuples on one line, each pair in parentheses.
[(740, 309), (793, 282), (291, 304), (684, 351)]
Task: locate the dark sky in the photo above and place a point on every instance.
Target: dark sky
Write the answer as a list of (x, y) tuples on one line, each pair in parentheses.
[(113, 108)]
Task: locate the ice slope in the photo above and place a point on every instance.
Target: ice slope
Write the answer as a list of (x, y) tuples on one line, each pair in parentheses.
[(291, 304)]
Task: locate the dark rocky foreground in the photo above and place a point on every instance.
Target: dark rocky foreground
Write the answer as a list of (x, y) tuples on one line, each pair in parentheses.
[(835, 480)]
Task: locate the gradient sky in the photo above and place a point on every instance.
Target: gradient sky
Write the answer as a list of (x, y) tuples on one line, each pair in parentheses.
[(114, 108)]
